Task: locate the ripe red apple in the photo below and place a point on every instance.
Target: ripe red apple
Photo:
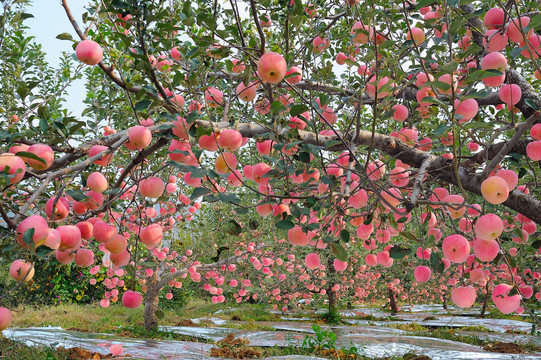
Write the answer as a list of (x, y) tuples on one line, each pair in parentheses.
[(40, 226), (494, 18), (132, 299), (214, 97), (510, 94), (296, 75), (312, 261), (84, 257), (225, 163), (70, 237), (16, 166), (89, 52), (152, 187), (297, 237), (514, 29), (97, 182), (488, 227), (140, 136), (21, 269), (463, 296), (117, 244), (495, 190), (486, 250), (247, 93), (494, 61), (533, 150), (422, 273), (105, 159), (151, 236), (61, 210), (65, 257), (272, 67), (456, 248), (5, 318), (417, 35), (42, 151), (400, 112)]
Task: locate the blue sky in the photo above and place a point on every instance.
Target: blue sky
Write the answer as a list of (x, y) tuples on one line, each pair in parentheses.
[(49, 21)]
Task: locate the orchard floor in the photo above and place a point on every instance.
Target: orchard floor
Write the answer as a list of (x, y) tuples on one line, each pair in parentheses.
[(198, 333)]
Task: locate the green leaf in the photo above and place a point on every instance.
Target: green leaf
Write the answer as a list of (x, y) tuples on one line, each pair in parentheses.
[(42, 251), (142, 105), (482, 74), (232, 228), (200, 191), (77, 195), (424, 3), (159, 314), (298, 109), (397, 252), (29, 155), (284, 224), (64, 36), (530, 103), (28, 236), (339, 252), (436, 262), (345, 235)]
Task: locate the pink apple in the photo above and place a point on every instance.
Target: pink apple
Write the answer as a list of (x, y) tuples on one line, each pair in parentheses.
[(510, 94), (42, 151), (494, 18), (463, 296), (294, 75), (535, 132), (494, 61), (467, 109), (16, 166), (312, 261), (230, 140), (456, 248), (21, 269), (400, 112), (506, 304), (297, 237), (132, 299), (151, 236), (514, 29), (533, 150), (495, 190), (84, 257), (417, 35), (5, 318), (486, 250), (70, 237), (422, 273), (152, 187), (272, 67), (140, 136), (105, 159), (89, 52), (510, 177), (97, 182), (247, 93), (488, 227), (225, 163)]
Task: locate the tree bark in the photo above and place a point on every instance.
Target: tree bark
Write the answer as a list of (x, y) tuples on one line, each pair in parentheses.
[(392, 302), (151, 302), (445, 300), (485, 304)]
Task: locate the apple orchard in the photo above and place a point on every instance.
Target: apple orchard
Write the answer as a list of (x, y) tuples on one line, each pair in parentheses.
[(334, 150)]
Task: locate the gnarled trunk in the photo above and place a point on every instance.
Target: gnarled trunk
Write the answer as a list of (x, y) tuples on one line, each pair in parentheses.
[(151, 302), (392, 302)]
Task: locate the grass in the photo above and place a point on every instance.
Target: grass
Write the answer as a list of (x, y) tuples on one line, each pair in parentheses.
[(91, 318), (10, 349)]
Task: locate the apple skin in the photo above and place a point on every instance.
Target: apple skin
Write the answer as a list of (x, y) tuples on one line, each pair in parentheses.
[(5, 318), (495, 190), (14, 163), (272, 67), (132, 299), (89, 52)]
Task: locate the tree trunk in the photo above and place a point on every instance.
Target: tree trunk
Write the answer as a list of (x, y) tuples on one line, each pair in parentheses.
[(445, 300), (330, 294), (392, 302), (151, 302), (485, 303)]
